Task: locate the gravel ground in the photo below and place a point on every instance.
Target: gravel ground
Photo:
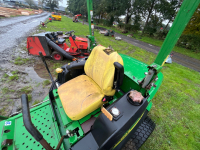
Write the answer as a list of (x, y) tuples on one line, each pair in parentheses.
[(17, 75), (14, 30)]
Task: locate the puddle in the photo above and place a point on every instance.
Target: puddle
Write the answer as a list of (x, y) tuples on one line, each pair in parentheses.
[(42, 72), (32, 75)]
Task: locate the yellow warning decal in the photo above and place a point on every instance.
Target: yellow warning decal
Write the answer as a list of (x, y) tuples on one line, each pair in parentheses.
[(125, 135)]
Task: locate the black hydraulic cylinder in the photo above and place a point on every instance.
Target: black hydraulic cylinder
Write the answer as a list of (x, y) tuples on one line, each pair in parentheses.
[(58, 49)]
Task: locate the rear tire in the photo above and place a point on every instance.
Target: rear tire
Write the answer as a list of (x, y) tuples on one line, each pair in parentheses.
[(57, 56), (141, 135)]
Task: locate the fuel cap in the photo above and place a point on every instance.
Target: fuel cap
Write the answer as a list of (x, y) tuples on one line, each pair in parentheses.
[(115, 112)]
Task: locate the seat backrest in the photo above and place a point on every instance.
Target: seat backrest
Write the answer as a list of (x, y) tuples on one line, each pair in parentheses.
[(100, 67)]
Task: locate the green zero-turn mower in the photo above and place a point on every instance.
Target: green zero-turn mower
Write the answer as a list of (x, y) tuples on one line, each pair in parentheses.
[(88, 106)]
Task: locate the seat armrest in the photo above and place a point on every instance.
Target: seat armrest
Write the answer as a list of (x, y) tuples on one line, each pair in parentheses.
[(119, 74)]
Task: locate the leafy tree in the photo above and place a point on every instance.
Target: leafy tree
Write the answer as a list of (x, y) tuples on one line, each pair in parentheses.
[(99, 8), (136, 21), (148, 7), (114, 8), (154, 23), (190, 38), (30, 2), (51, 3), (168, 10), (193, 26)]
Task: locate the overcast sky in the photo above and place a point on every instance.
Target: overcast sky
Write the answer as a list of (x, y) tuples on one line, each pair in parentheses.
[(63, 3)]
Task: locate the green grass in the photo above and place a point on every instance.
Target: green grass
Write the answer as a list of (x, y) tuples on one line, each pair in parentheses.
[(36, 102), (5, 90), (3, 111), (5, 75), (14, 77), (29, 97), (157, 42), (20, 61), (37, 84), (176, 106), (26, 90), (45, 83)]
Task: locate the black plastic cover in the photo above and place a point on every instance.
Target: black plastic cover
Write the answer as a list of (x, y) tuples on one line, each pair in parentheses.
[(106, 132), (87, 143), (72, 70), (119, 73), (78, 64), (44, 45)]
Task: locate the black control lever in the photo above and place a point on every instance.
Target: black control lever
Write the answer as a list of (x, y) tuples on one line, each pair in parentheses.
[(29, 125), (32, 129), (51, 97), (45, 64)]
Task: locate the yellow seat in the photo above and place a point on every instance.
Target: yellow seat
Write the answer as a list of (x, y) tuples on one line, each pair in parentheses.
[(83, 94)]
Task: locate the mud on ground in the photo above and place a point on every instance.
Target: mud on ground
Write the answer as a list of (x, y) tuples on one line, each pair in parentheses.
[(22, 73)]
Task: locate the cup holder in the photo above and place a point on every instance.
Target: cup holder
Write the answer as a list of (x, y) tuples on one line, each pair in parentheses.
[(131, 101)]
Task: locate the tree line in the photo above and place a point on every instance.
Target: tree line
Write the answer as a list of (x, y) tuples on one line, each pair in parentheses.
[(150, 17)]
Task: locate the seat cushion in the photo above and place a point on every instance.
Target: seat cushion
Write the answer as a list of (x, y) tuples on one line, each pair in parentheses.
[(80, 96), (100, 68)]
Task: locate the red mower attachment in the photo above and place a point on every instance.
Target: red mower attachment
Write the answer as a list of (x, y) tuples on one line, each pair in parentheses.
[(51, 45)]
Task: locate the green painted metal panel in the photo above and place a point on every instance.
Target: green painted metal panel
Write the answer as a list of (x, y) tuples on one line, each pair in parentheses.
[(154, 90), (44, 122), (89, 7), (42, 118), (61, 127), (129, 84), (7, 133), (133, 68), (75, 138), (185, 13)]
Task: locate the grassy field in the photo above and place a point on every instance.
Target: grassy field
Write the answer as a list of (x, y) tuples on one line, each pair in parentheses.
[(157, 42), (176, 106)]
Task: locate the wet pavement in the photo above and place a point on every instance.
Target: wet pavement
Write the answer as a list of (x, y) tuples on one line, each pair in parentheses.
[(15, 29)]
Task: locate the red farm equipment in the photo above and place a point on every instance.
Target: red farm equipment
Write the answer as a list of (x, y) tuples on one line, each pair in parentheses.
[(75, 19), (51, 45)]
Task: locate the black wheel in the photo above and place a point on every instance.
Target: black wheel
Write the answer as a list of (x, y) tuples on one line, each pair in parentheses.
[(57, 56), (141, 135)]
